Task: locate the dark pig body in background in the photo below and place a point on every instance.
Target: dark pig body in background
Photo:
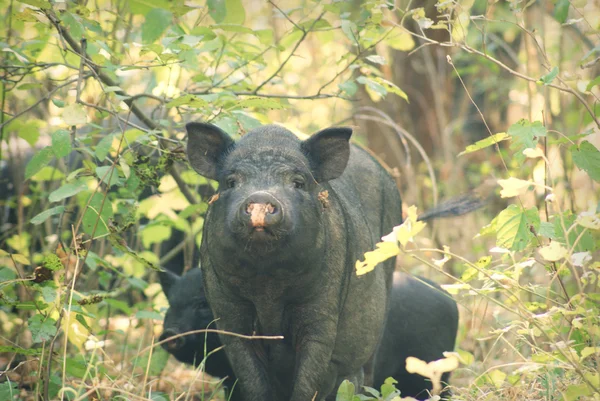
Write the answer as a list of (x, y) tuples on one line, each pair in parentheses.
[(278, 255), (189, 311), (423, 323)]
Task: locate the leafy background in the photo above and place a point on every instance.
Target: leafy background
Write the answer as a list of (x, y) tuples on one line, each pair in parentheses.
[(497, 98)]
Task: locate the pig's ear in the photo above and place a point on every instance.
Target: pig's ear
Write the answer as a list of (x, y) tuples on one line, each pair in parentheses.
[(167, 280), (206, 144), (328, 151)]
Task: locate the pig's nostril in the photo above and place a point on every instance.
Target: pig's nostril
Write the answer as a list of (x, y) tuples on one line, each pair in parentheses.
[(272, 209)]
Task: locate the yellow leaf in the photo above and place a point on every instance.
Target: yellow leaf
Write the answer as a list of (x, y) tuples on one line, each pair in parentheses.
[(497, 377), (405, 232), (383, 252), (403, 42), (432, 370), (589, 220), (454, 289), (587, 351), (76, 332), (533, 153), (513, 187), (441, 262), (17, 257), (464, 357), (553, 252)]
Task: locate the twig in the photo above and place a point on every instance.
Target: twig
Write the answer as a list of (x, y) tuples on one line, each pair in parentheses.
[(304, 34), (81, 66), (48, 95), (287, 17), (223, 332)]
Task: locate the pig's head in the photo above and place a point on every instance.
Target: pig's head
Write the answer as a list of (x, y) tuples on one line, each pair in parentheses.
[(269, 184), (188, 311)]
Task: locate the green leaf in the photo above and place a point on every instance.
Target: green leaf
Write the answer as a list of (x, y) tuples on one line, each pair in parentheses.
[(548, 78), (58, 103), (188, 100), (265, 36), (108, 175), (18, 350), (29, 86), (30, 131), (103, 147), (382, 86), (119, 305), (43, 4), (261, 103), (38, 161), (345, 391), (9, 390), (157, 363), (67, 190), (585, 240), (81, 320), (587, 157), (514, 227), (74, 114), (48, 173), (575, 392), (233, 28), (561, 10), (42, 329), (349, 87), (157, 22), (100, 211), (484, 143), (525, 135), (73, 24), (61, 143), (350, 30), (547, 230), (41, 217), (592, 83), (143, 7), (155, 233), (235, 12), (146, 314), (217, 10), (48, 292)]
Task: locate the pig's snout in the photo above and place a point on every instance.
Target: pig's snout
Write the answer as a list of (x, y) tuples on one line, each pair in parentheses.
[(262, 210), (174, 344)]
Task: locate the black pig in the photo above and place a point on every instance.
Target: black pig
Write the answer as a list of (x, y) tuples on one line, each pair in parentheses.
[(423, 323), (278, 254), (189, 311)]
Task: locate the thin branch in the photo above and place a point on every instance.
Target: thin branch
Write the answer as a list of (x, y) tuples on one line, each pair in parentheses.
[(48, 95), (304, 34), (287, 17), (469, 49), (358, 56), (108, 81)]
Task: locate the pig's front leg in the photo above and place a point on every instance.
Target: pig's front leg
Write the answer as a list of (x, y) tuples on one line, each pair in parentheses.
[(315, 372), (245, 356)]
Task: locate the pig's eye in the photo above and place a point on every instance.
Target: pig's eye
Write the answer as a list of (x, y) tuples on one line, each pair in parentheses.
[(231, 183), (298, 183)]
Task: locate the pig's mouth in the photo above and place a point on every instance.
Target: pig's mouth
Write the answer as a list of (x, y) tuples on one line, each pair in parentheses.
[(261, 233)]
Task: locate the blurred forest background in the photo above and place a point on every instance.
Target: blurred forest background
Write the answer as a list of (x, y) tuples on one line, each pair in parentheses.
[(496, 97)]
